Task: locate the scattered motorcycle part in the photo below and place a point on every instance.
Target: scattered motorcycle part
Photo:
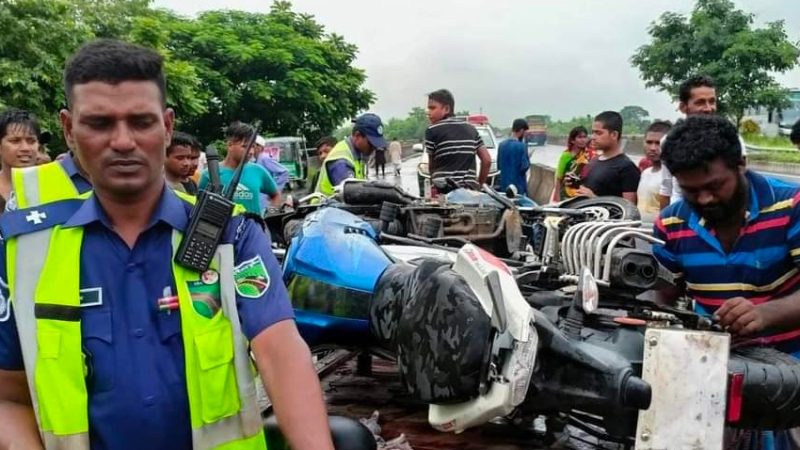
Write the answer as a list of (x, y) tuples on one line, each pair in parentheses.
[(633, 268), (682, 366), (618, 207), (432, 227), (590, 295)]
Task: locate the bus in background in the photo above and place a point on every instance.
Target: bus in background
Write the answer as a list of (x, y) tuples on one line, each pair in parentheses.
[(777, 122), (537, 130), (790, 115)]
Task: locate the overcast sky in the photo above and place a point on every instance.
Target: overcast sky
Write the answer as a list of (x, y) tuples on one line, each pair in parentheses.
[(509, 58)]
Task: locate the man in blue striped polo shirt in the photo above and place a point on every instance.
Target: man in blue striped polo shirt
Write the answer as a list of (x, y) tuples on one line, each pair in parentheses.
[(734, 240)]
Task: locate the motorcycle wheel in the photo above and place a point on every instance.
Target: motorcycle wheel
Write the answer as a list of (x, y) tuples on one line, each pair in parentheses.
[(617, 207), (771, 388)]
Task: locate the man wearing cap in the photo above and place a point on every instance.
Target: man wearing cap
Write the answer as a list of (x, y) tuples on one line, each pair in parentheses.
[(347, 159), (512, 159)]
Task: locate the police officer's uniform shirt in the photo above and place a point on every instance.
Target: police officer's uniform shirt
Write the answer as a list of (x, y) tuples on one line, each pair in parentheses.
[(131, 328), (81, 183)]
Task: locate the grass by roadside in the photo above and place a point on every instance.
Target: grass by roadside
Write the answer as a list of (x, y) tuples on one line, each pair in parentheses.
[(778, 149), (774, 156), (776, 142)]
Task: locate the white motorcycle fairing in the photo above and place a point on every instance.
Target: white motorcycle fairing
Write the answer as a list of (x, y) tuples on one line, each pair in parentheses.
[(513, 349)]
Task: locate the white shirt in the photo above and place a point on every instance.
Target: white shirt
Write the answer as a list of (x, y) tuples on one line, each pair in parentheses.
[(647, 194)]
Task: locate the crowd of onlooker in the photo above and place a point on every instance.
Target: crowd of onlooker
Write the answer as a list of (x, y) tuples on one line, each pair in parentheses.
[(595, 164)]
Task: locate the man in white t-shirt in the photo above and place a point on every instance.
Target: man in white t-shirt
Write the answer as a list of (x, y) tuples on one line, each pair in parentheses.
[(696, 95), (650, 181)]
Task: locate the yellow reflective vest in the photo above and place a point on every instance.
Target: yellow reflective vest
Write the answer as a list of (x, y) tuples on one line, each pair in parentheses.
[(44, 282), (38, 185), (340, 151)]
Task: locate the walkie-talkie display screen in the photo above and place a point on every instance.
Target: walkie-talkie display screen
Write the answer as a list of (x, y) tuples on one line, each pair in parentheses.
[(207, 229), (210, 215)]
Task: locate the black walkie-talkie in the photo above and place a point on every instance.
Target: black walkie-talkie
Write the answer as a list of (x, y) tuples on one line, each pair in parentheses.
[(211, 214)]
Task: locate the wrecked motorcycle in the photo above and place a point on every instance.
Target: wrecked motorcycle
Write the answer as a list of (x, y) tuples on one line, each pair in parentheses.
[(477, 337)]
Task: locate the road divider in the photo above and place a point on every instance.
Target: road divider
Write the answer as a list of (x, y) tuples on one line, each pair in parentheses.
[(540, 183)]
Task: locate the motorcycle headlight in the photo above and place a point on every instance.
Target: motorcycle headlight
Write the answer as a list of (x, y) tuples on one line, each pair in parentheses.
[(590, 294)]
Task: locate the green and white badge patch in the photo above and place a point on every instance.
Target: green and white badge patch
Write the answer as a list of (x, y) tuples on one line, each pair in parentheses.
[(251, 277)]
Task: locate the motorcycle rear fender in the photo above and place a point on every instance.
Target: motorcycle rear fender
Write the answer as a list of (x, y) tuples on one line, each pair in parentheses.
[(508, 388), (475, 265), (504, 395)]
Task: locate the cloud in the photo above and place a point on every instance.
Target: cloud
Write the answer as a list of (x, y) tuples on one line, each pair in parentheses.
[(508, 58)]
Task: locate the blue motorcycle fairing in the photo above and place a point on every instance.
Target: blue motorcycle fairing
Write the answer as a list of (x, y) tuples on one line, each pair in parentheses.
[(336, 247), (317, 329), (331, 269)]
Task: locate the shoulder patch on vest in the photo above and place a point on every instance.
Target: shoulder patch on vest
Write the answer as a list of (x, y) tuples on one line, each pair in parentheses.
[(29, 220), (251, 278)]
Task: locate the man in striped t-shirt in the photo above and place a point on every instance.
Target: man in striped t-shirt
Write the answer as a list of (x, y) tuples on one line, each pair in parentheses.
[(452, 144), (733, 242)]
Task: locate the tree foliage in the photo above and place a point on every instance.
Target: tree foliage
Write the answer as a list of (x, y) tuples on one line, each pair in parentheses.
[(635, 119), (412, 127), (720, 41), (281, 68)]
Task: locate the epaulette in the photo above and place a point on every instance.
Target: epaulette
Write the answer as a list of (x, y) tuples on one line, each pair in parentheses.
[(29, 220)]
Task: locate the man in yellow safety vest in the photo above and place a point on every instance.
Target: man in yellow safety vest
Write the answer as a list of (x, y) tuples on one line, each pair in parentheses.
[(105, 342), (348, 158)]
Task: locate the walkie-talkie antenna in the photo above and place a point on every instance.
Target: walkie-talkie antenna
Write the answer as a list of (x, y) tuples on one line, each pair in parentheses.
[(212, 159), (237, 175)]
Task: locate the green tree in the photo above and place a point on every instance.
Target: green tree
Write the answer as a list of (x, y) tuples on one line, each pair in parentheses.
[(634, 119), (411, 128), (37, 38), (720, 41), (279, 68), (563, 127), (39, 35)]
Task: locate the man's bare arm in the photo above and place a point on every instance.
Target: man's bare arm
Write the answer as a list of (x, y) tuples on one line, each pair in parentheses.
[(275, 199), (486, 164), (630, 196), (663, 201), (284, 363), (557, 189), (740, 316), (18, 429)]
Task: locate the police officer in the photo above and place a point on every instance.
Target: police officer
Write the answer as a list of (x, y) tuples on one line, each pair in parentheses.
[(109, 344), (348, 158)]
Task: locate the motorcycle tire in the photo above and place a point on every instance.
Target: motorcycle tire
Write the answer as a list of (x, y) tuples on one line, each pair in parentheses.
[(771, 388), (618, 207)]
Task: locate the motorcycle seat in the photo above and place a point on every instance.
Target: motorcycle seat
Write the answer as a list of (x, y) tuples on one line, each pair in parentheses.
[(435, 324), (374, 193)]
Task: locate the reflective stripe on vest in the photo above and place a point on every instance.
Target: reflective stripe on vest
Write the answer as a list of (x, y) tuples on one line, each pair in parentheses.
[(37, 185), (340, 151), (220, 379)]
